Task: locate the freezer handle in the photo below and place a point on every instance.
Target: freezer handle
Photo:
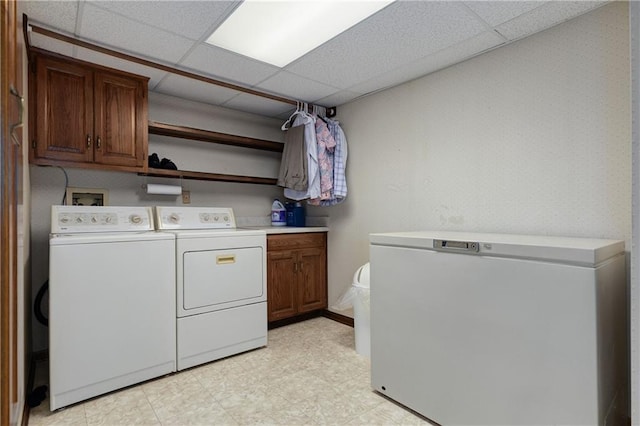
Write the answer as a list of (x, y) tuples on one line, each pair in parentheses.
[(457, 246)]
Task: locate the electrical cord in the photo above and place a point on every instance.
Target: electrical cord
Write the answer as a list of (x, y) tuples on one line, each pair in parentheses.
[(66, 184), (37, 302)]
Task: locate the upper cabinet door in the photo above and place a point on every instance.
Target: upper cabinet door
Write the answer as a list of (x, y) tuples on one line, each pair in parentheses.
[(120, 120), (64, 112)]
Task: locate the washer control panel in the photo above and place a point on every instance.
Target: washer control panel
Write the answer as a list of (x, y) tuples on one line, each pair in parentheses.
[(195, 218), (81, 219)]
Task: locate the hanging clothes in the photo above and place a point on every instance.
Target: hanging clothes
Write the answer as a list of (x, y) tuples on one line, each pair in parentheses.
[(293, 167), (339, 189), (310, 143), (340, 162), (326, 146)]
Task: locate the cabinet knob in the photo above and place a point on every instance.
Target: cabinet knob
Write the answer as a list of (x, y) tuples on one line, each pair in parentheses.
[(88, 141), (98, 142)]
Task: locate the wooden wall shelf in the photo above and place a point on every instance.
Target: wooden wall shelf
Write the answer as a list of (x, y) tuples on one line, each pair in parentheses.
[(157, 128), (184, 174), (183, 132)]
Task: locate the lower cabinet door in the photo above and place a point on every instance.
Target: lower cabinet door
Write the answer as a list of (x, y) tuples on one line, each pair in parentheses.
[(281, 287), (311, 277)]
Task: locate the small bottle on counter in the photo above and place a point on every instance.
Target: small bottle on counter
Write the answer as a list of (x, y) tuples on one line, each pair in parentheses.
[(278, 214)]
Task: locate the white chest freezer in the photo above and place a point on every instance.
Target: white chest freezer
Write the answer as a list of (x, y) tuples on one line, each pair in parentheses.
[(470, 329)]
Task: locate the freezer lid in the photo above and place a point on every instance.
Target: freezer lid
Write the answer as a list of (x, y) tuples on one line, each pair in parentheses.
[(582, 251)]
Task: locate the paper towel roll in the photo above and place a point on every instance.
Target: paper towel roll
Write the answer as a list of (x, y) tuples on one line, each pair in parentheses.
[(154, 188)]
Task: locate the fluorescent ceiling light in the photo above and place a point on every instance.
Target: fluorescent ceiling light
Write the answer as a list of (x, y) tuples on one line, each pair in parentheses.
[(278, 32)]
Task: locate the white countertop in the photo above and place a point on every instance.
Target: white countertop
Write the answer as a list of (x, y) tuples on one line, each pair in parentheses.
[(314, 224), (287, 229)]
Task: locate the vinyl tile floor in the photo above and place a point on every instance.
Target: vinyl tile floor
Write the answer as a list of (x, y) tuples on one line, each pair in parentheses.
[(309, 374)]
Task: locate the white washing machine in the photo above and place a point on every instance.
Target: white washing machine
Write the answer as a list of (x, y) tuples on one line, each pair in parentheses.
[(111, 301), (220, 283)]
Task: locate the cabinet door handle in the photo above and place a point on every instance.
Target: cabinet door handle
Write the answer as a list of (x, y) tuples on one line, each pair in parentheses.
[(301, 263), (20, 122), (98, 142), (295, 266), (88, 141)]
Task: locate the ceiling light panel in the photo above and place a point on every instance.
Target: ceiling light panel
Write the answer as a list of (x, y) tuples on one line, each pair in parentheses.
[(278, 32)]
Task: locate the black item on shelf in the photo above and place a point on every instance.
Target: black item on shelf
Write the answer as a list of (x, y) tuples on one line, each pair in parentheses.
[(154, 161), (168, 164)]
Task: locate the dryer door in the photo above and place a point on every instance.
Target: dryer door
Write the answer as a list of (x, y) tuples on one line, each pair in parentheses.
[(222, 278)]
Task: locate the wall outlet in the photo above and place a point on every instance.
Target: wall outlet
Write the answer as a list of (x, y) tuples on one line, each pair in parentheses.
[(186, 197)]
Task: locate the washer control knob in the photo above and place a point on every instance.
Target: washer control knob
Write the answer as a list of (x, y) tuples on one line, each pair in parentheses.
[(135, 219), (79, 219), (94, 219), (226, 218), (64, 219), (206, 217), (174, 218), (216, 218)]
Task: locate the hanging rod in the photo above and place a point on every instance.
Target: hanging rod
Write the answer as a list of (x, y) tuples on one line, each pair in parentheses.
[(330, 111)]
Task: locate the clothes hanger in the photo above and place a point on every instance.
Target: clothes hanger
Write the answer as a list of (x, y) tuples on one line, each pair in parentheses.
[(287, 124), (317, 111)]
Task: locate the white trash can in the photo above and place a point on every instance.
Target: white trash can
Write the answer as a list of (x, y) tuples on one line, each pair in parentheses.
[(361, 310)]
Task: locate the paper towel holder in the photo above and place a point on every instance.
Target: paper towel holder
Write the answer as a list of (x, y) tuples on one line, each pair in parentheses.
[(162, 189)]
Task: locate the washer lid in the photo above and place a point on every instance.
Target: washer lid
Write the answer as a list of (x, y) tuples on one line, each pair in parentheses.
[(108, 237)]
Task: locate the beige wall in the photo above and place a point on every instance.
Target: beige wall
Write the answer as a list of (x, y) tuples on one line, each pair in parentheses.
[(532, 138)]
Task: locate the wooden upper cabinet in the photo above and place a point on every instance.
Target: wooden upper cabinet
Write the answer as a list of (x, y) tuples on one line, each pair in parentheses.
[(120, 120), (64, 111), (88, 116)]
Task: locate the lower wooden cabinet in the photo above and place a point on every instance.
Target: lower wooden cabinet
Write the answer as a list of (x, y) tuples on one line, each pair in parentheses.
[(296, 274)]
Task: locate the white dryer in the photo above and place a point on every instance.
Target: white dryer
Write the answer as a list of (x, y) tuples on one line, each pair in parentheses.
[(111, 301), (220, 283)]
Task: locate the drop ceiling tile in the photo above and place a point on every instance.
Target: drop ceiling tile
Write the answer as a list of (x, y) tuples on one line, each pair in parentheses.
[(223, 64), (188, 88), (339, 98), (129, 36), (499, 12), (400, 33), (295, 87), (257, 105), (60, 15), (51, 44), (190, 19), (545, 16), (155, 75), (430, 63)]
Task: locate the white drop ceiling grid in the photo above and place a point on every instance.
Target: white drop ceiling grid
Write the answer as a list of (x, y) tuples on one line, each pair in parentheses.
[(404, 41)]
